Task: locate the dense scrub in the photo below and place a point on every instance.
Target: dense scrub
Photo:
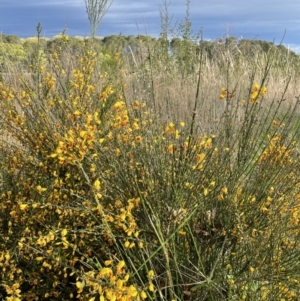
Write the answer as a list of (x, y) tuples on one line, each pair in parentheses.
[(130, 172)]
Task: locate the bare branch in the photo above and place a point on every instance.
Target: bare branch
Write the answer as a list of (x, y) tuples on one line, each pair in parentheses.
[(96, 9)]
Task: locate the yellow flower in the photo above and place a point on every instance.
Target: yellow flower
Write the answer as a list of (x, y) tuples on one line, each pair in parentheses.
[(263, 91), (80, 285), (23, 206), (170, 128), (255, 88), (181, 232), (120, 284), (132, 291), (208, 143), (105, 272), (143, 295), (109, 90), (200, 157), (40, 189), (254, 97), (41, 241), (255, 92), (132, 245), (223, 93), (108, 262), (205, 192), (97, 184), (151, 274), (83, 134), (7, 257), (135, 126), (64, 232), (228, 266), (120, 266), (77, 113), (225, 190), (151, 287), (171, 148), (110, 295)]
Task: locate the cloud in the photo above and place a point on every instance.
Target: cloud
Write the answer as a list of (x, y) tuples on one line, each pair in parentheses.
[(267, 19), (40, 3), (293, 47)]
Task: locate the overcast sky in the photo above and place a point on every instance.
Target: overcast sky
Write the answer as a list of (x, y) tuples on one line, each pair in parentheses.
[(255, 19)]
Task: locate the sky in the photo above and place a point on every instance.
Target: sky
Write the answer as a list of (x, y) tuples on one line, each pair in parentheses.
[(270, 20)]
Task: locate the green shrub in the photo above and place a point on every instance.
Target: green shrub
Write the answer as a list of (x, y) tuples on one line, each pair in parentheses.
[(122, 185)]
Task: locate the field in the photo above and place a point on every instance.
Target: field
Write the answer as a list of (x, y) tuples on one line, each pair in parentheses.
[(135, 168)]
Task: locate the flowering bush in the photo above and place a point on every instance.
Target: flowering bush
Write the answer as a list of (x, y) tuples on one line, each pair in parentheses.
[(104, 199)]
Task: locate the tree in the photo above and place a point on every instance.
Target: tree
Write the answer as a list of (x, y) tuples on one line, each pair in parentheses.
[(96, 9), (12, 39)]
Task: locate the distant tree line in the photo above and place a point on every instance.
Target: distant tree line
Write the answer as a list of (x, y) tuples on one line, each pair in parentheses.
[(141, 45)]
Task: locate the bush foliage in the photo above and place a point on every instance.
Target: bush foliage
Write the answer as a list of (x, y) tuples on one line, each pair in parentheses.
[(149, 174)]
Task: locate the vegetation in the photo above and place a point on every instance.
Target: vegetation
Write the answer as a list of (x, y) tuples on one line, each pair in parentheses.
[(96, 9), (135, 171)]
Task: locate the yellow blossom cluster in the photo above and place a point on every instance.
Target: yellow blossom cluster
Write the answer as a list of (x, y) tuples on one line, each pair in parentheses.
[(225, 94), (256, 92), (109, 283), (276, 152)]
